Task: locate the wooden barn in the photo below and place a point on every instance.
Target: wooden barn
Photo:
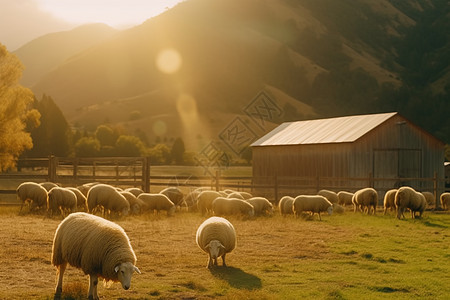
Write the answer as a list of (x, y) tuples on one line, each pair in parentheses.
[(347, 153)]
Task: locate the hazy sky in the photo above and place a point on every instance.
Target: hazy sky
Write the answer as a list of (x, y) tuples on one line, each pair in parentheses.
[(24, 20)]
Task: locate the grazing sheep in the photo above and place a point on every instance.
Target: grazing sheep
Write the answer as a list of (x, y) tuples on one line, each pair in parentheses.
[(285, 205), (61, 199), (86, 187), (429, 197), (205, 200), (216, 236), (407, 198), (135, 191), (98, 247), (191, 200), (365, 199), (235, 195), (389, 200), (330, 195), (81, 199), (445, 200), (174, 194), (136, 205), (107, 197), (261, 205), (48, 185), (338, 209), (232, 206), (345, 198), (313, 204), (157, 202), (34, 193)]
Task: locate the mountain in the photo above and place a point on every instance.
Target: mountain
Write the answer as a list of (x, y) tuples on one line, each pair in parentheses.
[(311, 58), (43, 54)]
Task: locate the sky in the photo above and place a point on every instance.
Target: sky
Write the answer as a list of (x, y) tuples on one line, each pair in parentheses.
[(24, 20)]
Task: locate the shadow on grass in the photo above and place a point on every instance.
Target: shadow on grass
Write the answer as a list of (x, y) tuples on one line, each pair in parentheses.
[(430, 224), (237, 278)]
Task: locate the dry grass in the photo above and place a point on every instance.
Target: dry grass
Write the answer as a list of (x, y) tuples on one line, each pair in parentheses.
[(275, 258)]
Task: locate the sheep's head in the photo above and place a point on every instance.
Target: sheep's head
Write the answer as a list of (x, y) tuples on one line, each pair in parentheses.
[(330, 210), (215, 249), (124, 272), (171, 211)]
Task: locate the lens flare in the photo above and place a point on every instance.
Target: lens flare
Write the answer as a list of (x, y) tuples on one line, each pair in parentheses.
[(159, 128), (168, 61)]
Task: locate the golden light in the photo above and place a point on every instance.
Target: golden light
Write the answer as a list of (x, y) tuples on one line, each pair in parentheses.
[(168, 61), (159, 128)]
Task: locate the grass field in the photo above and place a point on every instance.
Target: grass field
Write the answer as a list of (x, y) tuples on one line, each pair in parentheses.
[(349, 256)]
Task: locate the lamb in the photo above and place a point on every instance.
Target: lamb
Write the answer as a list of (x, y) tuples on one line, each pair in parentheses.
[(311, 203), (366, 198), (98, 247), (81, 199), (205, 200), (330, 195), (157, 202), (285, 205), (345, 198), (216, 236), (174, 194), (135, 191), (232, 206), (106, 196), (34, 193), (389, 200), (136, 205), (429, 197), (261, 205), (445, 200), (61, 199), (407, 197)]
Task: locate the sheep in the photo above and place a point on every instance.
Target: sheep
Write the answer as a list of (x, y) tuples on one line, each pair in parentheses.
[(366, 198), (81, 199), (232, 206), (216, 236), (135, 191), (48, 185), (34, 192), (100, 248), (136, 205), (109, 198), (429, 197), (61, 199), (389, 200), (330, 195), (174, 194), (445, 200), (86, 187), (191, 200), (407, 197), (205, 200), (311, 203), (345, 198), (338, 209), (261, 205), (236, 195), (285, 205), (157, 202)]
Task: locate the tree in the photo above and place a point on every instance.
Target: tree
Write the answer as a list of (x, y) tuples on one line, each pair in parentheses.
[(105, 135), (128, 145), (87, 147), (160, 154), (16, 113), (177, 151)]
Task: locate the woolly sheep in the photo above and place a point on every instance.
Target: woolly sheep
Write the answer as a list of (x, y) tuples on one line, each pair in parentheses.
[(365, 199), (205, 200), (61, 199), (429, 197), (311, 203), (106, 196), (34, 192), (98, 247), (285, 205), (157, 202), (81, 199), (345, 198), (445, 200), (48, 185), (232, 206), (135, 191), (389, 200), (330, 195), (236, 195), (216, 236), (136, 205), (261, 205), (191, 200), (86, 187), (174, 194), (338, 209), (407, 198)]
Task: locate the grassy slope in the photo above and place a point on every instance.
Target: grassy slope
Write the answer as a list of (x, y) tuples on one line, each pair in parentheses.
[(343, 257)]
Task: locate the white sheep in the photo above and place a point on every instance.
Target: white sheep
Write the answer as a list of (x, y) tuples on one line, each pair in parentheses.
[(313, 204), (445, 200), (205, 200), (135, 191), (338, 209), (84, 188), (365, 199), (108, 198), (81, 199), (136, 205), (330, 195), (389, 200), (429, 197), (32, 192), (48, 185), (345, 198), (157, 202), (285, 205), (236, 195), (261, 205), (61, 199), (174, 194), (98, 247), (407, 198), (216, 236), (232, 206), (191, 200)]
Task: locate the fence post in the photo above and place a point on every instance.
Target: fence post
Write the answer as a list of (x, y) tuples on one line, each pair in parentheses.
[(52, 164), (146, 174), (75, 169), (217, 180)]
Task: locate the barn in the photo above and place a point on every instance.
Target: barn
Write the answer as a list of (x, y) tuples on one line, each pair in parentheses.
[(347, 153)]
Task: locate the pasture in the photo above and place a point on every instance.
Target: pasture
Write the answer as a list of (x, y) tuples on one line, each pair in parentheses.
[(349, 256)]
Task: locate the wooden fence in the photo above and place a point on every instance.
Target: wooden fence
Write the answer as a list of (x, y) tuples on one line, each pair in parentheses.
[(136, 172)]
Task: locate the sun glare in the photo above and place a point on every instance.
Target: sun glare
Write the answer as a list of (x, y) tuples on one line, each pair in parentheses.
[(168, 61)]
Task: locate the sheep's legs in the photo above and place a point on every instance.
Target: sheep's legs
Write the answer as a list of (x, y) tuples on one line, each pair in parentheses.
[(223, 260), (59, 273), (93, 282)]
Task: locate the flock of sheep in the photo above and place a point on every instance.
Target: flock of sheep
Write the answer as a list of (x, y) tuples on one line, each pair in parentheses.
[(101, 248)]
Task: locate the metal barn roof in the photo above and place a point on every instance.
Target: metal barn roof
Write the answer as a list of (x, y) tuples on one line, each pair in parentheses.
[(323, 131)]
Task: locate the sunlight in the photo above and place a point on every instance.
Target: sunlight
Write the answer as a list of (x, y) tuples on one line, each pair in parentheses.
[(168, 61), (160, 128)]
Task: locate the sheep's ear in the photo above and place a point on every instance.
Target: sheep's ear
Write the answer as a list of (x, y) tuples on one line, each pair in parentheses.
[(207, 246), (137, 270), (221, 246), (116, 269)]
